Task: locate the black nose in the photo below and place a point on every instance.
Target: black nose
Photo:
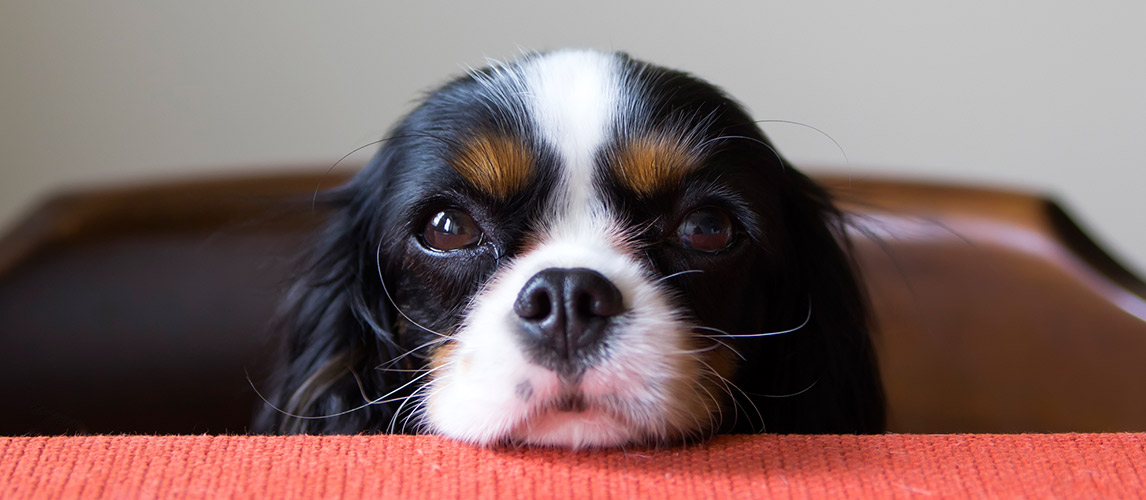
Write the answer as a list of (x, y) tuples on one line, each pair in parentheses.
[(563, 315)]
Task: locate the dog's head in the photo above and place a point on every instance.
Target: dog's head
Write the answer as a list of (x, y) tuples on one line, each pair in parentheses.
[(578, 249)]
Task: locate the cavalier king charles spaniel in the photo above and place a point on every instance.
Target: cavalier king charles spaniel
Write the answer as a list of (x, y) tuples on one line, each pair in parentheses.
[(577, 249)]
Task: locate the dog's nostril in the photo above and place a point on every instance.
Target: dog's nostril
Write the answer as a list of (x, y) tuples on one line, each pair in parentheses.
[(599, 298), (534, 303)]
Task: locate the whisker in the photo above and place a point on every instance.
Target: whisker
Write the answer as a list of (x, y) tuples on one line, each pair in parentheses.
[(726, 346), (386, 366), (361, 387), (750, 139), (794, 394), (718, 417), (732, 385), (821, 132), (314, 198), (419, 402), (380, 400), (418, 396), (637, 232), (696, 351), (673, 275), (725, 334), (722, 382), (398, 411), (382, 368), (378, 265), (318, 187)]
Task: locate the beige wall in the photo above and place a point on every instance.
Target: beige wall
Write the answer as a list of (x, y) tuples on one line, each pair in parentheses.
[(1050, 98)]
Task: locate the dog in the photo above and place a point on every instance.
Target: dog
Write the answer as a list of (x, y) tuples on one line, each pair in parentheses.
[(577, 249)]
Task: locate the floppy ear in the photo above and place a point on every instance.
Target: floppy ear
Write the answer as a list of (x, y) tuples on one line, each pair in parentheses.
[(335, 325), (822, 377)]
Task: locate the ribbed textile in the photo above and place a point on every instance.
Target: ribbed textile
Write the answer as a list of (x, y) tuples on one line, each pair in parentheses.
[(411, 467)]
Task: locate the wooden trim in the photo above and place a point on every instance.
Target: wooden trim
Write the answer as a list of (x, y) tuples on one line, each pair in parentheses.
[(260, 202)]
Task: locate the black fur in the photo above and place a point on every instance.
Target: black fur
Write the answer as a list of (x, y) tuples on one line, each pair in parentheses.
[(339, 327)]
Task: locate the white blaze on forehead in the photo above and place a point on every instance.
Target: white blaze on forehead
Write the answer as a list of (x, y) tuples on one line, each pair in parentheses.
[(573, 96)]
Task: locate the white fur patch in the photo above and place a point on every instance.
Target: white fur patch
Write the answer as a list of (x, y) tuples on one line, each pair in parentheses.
[(573, 98)]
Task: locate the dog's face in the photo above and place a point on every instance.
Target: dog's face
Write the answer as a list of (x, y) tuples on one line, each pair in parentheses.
[(579, 249)]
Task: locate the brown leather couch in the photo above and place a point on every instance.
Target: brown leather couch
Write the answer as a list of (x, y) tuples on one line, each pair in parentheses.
[(143, 309)]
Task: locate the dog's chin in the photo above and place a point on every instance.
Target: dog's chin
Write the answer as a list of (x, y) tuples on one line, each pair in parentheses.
[(556, 415), (589, 427)]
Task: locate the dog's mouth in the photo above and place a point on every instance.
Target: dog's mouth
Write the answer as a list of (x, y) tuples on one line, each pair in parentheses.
[(575, 420)]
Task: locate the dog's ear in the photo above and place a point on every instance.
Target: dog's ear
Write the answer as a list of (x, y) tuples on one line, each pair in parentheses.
[(335, 324), (823, 376)]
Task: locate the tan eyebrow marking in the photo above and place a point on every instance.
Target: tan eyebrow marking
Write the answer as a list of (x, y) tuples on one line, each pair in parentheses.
[(648, 164), (496, 164)]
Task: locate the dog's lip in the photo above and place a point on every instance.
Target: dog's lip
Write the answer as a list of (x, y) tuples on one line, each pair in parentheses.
[(569, 402), (542, 426), (576, 403)]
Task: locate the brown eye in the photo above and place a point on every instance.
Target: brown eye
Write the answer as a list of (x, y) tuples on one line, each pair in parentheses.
[(451, 229), (706, 229)]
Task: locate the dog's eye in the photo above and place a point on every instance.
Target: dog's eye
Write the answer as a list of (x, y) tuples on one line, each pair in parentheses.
[(707, 229), (451, 230)]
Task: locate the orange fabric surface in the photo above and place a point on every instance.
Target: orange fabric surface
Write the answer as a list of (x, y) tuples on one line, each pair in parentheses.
[(407, 467)]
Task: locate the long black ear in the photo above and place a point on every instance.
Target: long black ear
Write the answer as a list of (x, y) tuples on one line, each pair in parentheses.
[(822, 377), (335, 325)]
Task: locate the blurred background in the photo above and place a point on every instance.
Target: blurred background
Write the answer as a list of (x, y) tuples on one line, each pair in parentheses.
[(1046, 97)]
